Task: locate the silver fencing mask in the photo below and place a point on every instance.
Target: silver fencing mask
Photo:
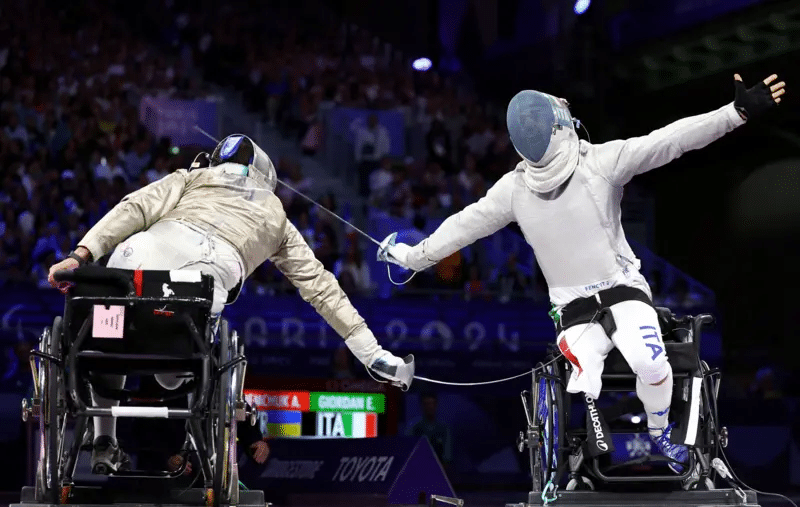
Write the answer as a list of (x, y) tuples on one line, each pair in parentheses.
[(541, 129)]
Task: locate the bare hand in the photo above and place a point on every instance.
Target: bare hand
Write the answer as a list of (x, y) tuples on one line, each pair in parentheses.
[(67, 264), (777, 89), (260, 451)]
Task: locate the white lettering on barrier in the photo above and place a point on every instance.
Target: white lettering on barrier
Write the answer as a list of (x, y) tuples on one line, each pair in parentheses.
[(284, 401), (442, 329), (474, 334), (293, 331), (512, 343), (341, 402), (366, 468), (277, 469), (255, 332), (298, 336), (363, 468)]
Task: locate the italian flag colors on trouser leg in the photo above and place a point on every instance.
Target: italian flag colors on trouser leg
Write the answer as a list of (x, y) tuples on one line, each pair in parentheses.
[(362, 424)]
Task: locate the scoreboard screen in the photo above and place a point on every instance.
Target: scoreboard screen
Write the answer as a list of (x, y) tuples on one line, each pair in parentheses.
[(317, 414)]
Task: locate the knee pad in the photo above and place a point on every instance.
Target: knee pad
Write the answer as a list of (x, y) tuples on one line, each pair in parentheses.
[(653, 372)]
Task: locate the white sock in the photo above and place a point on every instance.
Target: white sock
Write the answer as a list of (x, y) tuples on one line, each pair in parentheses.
[(656, 401), (107, 426)]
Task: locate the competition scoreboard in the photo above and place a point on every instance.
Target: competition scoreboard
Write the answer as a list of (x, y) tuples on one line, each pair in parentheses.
[(284, 413)]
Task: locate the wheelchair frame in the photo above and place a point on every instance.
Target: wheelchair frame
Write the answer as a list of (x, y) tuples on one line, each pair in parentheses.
[(61, 393), (553, 448)]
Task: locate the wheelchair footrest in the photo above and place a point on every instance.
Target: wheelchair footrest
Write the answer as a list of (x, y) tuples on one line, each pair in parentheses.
[(714, 498), (111, 497)]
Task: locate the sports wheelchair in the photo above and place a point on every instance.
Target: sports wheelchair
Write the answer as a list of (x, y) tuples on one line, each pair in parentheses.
[(138, 323), (609, 448)]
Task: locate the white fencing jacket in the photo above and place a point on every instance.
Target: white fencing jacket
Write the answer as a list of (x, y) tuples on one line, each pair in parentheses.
[(576, 230)]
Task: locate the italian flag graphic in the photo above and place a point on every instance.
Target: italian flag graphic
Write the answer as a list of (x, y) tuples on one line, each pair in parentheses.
[(362, 424)]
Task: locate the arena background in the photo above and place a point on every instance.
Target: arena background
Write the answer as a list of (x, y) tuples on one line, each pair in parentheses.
[(99, 98)]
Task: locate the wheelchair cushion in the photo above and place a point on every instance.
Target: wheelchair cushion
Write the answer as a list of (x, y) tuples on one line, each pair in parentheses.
[(682, 357)]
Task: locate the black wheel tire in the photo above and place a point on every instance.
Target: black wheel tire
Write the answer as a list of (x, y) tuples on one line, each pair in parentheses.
[(550, 442), (224, 421), (50, 413)]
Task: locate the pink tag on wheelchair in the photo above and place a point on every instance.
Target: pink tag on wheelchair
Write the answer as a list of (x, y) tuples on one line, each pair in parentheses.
[(108, 322)]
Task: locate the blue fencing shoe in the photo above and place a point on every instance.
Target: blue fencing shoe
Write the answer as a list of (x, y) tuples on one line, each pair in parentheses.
[(678, 453)]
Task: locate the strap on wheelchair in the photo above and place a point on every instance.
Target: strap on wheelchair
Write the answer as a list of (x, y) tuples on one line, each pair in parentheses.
[(583, 310)]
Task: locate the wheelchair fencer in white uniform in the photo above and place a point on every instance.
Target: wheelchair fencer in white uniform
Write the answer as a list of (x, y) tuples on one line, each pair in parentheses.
[(565, 195)]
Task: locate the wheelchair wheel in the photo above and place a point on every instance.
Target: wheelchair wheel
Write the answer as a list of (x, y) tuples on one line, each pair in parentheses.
[(226, 484), (47, 471), (550, 419)]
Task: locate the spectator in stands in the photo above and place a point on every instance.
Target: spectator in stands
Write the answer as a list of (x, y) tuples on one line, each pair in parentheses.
[(510, 279), (352, 272), (400, 193), (137, 160), (372, 143), (474, 287), (380, 183), (293, 203), (470, 181), (437, 432), (450, 271), (415, 233), (440, 151), (481, 138)]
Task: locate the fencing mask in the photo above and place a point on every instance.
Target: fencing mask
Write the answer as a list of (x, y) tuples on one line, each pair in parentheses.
[(240, 149), (541, 129)]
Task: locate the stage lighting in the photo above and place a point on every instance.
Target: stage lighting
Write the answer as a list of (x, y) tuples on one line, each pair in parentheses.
[(422, 64), (581, 6), (636, 419)]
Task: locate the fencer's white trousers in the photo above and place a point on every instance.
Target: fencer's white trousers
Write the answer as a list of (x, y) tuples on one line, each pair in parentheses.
[(178, 245), (638, 338)]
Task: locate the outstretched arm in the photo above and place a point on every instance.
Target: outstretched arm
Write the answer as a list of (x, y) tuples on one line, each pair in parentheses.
[(478, 220), (319, 287), (619, 161)]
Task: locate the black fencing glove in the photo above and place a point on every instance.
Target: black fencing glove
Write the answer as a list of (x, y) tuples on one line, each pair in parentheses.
[(752, 102)]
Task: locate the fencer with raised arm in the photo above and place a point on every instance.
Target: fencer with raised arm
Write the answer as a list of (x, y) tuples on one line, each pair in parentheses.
[(565, 195)]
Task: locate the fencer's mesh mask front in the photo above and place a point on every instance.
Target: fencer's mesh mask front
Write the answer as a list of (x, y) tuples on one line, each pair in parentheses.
[(240, 149), (541, 129)]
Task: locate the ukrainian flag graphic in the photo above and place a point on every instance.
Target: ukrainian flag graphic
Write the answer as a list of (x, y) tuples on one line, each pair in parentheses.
[(284, 423)]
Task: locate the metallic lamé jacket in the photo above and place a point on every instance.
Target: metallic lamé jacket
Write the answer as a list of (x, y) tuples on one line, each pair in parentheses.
[(236, 210)]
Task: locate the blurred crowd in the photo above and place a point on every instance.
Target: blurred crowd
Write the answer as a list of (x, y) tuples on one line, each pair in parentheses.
[(72, 145)]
